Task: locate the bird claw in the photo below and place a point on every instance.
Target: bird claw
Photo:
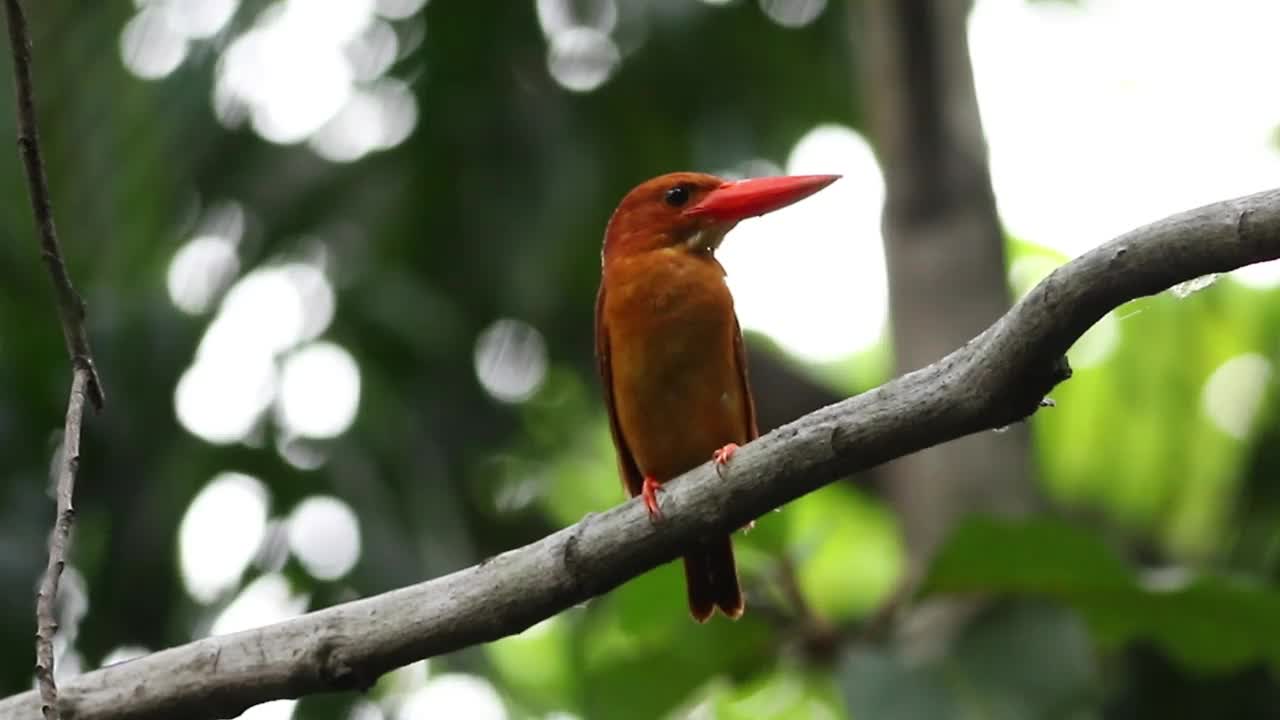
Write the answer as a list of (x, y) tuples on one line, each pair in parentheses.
[(721, 457), (649, 491)]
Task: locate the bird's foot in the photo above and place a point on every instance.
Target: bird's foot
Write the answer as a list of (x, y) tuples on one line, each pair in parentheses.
[(721, 456), (649, 491)]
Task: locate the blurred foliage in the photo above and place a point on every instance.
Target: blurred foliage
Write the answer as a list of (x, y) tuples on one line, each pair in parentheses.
[(1208, 622), (492, 209)]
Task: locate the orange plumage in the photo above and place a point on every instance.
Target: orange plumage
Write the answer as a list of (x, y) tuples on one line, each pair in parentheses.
[(669, 348)]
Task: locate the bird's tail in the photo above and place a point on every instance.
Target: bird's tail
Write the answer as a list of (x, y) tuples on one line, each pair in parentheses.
[(712, 580)]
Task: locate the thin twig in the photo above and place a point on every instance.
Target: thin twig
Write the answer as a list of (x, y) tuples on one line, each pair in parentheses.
[(46, 599), (70, 306), (84, 375)]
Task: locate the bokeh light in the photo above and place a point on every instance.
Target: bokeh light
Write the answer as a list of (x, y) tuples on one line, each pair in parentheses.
[(234, 379), (372, 52), (324, 534), (211, 558), (399, 9), (378, 117), (314, 71), (220, 399), (454, 695), (200, 270), (268, 599), (156, 40), (122, 653), (1234, 391), (262, 314), (581, 55), (319, 391), (511, 360), (197, 19), (1097, 344), (149, 46), (582, 58), (793, 13), (274, 710), (363, 710)]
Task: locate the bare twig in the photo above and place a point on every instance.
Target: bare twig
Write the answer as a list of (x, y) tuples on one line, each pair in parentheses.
[(997, 378), (84, 375), (46, 599), (70, 306)]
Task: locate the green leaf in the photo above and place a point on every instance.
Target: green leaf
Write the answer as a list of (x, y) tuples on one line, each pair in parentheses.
[(846, 548), (536, 664), (878, 686), (1022, 662), (786, 694), (1207, 623)]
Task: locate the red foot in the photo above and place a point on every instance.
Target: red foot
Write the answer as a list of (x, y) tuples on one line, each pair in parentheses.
[(721, 456), (649, 491)]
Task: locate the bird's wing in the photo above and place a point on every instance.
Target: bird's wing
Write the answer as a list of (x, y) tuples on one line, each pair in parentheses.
[(631, 478), (740, 358)]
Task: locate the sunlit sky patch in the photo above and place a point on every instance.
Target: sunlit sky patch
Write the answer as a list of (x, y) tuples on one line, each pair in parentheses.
[(1084, 146), (795, 270), (1097, 124)]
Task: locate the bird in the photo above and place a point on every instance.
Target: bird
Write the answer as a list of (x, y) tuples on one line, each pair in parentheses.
[(669, 348)]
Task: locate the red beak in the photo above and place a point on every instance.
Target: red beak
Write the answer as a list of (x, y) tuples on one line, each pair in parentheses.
[(742, 199)]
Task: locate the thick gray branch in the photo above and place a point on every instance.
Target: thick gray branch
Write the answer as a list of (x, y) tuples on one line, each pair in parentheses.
[(993, 380)]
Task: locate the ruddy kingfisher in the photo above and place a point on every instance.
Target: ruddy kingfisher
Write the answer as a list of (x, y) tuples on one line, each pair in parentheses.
[(669, 349)]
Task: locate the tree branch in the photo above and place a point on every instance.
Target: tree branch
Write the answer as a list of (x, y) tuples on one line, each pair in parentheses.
[(995, 379), (84, 375)]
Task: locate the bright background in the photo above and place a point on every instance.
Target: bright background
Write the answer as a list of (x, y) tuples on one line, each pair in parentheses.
[(340, 259)]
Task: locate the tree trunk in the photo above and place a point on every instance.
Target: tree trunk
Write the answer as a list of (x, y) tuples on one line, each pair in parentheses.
[(944, 252)]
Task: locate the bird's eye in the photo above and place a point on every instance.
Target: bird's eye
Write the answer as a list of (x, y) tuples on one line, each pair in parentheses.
[(677, 196)]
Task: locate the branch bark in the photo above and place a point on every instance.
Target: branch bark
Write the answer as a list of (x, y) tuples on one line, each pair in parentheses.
[(993, 380), (84, 375)]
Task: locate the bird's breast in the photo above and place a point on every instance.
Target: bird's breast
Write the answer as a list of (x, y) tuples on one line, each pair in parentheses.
[(677, 386)]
